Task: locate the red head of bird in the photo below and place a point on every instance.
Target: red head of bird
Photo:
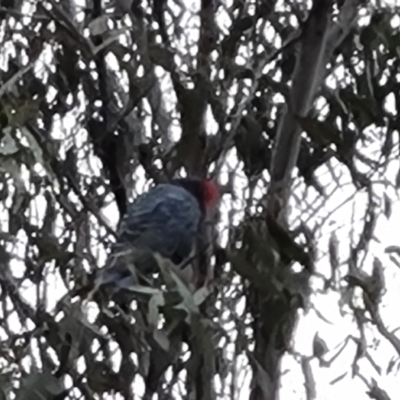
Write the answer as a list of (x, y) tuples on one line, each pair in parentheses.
[(206, 191)]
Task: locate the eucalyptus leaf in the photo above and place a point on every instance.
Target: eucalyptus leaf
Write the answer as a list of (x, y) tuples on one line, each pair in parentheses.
[(39, 386), (156, 301), (162, 339), (321, 133)]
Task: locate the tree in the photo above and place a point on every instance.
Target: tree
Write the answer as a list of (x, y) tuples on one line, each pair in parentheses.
[(291, 105)]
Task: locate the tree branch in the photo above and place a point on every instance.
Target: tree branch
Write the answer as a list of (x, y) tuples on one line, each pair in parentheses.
[(313, 43)]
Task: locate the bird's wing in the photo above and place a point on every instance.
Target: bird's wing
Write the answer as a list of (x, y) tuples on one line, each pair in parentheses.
[(164, 220)]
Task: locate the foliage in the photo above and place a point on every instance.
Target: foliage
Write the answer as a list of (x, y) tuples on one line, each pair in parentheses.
[(292, 106)]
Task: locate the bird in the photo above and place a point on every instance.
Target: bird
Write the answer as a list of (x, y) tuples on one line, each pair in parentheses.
[(166, 220)]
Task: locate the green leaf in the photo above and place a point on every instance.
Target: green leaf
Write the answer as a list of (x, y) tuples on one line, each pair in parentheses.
[(321, 133), (243, 268), (393, 249), (394, 261), (188, 302), (39, 386), (99, 25), (9, 164), (162, 339), (75, 326), (364, 109), (143, 289), (173, 278), (8, 145), (5, 384), (19, 114), (339, 378), (156, 301), (387, 205), (144, 363), (201, 295), (160, 56), (319, 347), (262, 377), (165, 267)]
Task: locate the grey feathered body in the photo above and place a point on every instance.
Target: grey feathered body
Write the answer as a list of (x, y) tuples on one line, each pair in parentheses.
[(165, 220)]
